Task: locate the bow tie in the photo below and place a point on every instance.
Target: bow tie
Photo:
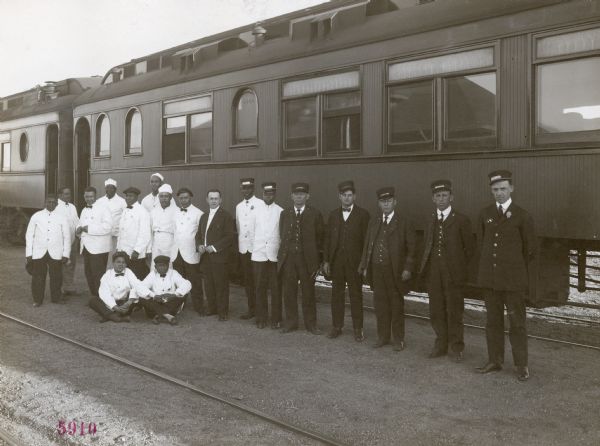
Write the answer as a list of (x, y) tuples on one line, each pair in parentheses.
[(346, 209), (119, 274), (89, 207), (163, 275), (183, 210), (129, 207)]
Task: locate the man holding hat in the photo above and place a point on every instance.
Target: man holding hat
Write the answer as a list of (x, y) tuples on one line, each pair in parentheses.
[(184, 254), (245, 219), (162, 219), (388, 261), (95, 229), (506, 237), (301, 233), (449, 246), (264, 258), (47, 247), (151, 201), (134, 233), (69, 211), (115, 205), (344, 241)]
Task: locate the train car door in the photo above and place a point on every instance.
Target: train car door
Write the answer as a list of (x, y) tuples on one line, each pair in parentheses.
[(82, 150), (52, 159)]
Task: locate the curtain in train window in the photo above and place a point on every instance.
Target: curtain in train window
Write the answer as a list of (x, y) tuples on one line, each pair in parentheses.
[(341, 123), (133, 132), (5, 153), (200, 136), (246, 118), (102, 136), (174, 140), (301, 126), (411, 113)]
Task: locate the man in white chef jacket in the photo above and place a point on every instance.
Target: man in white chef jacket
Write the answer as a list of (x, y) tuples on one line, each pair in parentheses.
[(163, 223), (69, 211), (115, 205), (95, 232), (185, 256), (47, 247), (135, 233), (245, 220), (264, 259)]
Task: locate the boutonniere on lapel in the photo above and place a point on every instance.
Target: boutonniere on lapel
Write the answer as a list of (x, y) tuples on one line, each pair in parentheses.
[(508, 214), (490, 220)]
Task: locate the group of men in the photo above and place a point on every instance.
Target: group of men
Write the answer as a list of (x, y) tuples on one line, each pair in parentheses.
[(280, 250)]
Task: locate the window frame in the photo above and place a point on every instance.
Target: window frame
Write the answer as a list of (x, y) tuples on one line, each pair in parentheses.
[(3, 152), (129, 113), (239, 142), (98, 140), (26, 157), (440, 143), (584, 138), (320, 153)]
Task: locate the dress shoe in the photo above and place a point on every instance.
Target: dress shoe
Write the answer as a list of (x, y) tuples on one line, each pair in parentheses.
[(288, 329), (457, 356), (224, 318), (71, 293), (334, 333), (125, 318), (115, 317), (275, 325), (37, 304), (380, 343), (211, 313), (156, 320), (201, 312), (248, 315), (489, 367), (261, 325), (522, 373), (358, 335), (173, 321), (436, 353), (314, 330), (398, 346)]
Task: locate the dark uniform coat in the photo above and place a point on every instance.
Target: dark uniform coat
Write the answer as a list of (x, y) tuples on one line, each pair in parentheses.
[(402, 245), (312, 229), (358, 221), (459, 245), (508, 245), (221, 235)]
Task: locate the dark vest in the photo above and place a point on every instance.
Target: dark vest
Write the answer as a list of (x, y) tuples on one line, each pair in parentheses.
[(438, 251), (381, 253), (296, 234), (342, 240)]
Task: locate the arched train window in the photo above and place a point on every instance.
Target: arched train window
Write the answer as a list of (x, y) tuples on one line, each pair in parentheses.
[(245, 106), (133, 132), (102, 136)]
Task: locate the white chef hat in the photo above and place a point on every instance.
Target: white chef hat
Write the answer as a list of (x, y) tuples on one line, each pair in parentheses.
[(166, 188), (158, 175), (110, 182)]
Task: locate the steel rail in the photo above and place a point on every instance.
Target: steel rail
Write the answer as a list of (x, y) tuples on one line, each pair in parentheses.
[(163, 376), (9, 439)]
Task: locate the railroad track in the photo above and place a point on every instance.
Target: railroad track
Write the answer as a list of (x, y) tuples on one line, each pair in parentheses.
[(317, 436), (8, 440)]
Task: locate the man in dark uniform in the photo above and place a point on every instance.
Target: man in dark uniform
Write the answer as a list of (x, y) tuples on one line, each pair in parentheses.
[(449, 246), (507, 240), (344, 240), (301, 230), (215, 239)]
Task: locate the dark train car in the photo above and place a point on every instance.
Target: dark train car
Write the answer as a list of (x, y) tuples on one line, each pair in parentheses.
[(36, 148), (393, 92)]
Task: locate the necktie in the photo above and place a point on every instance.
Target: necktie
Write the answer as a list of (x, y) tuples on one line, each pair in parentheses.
[(163, 275), (385, 217), (500, 210), (246, 201), (183, 210), (67, 204), (89, 207), (298, 213), (129, 207), (441, 219), (346, 209), (119, 274)]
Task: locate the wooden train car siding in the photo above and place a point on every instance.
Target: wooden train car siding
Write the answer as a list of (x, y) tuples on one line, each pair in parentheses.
[(373, 106)]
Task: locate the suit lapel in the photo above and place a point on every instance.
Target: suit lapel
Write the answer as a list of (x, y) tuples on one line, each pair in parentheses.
[(393, 223), (449, 221)]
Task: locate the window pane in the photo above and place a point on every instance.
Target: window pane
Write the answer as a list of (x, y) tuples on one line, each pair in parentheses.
[(568, 96), (341, 134), (577, 42), (134, 132), (5, 157), (449, 63), (102, 136), (301, 124), (201, 136), (189, 105), (322, 83), (342, 100), (471, 106), (410, 113), (246, 118), (176, 123), (140, 67), (173, 143)]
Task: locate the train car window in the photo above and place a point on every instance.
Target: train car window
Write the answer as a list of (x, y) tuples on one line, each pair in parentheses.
[(567, 89), (133, 132), (174, 140), (102, 136), (301, 126), (341, 123), (23, 147), (5, 153), (200, 136), (246, 118), (340, 81), (410, 114), (141, 67), (188, 105)]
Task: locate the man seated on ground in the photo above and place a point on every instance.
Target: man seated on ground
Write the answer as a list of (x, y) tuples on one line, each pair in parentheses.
[(168, 290), (119, 291)]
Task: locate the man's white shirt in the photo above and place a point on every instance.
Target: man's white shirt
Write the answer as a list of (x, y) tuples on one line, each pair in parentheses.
[(69, 211), (134, 230), (172, 283), (266, 236), (186, 227), (245, 219), (151, 201), (47, 232), (115, 205), (163, 230), (98, 238), (114, 286)]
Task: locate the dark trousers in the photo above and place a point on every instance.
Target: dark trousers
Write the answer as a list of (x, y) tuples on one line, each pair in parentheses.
[(42, 267), (191, 272), (494, 328), (216, 283), (96, 304), (446, 308), (139, 268), (172, 306), (94, 266), (266, 278), (389, 304), (343, 273), (295, 269), (248, 273)]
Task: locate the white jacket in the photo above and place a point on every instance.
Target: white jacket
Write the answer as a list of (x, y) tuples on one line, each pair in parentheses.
[(245, 219), (97, 239), (113, 287), (266, 237), (69, 211), (47, 232), (173, 282), (186, 226), (163, 230), (134, 230), (115, 205)]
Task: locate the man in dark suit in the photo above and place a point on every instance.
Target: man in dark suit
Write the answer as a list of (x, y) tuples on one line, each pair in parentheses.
[(344, 240), (388, 258), (508, 244), (301, 230), (215, 240), (449, 246)]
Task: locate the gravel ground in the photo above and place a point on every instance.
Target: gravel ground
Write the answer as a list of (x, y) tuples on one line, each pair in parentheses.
[(346, 390)]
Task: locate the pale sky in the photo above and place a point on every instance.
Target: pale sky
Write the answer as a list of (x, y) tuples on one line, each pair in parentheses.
[(42, 40)]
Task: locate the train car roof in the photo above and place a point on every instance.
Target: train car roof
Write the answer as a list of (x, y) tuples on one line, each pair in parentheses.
[(330, 26)]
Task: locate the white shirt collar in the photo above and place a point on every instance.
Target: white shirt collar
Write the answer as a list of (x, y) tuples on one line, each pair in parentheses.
[(212, 211), (389, 216), (351, 207), (505, 205), (301, 209), (445, 212)]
